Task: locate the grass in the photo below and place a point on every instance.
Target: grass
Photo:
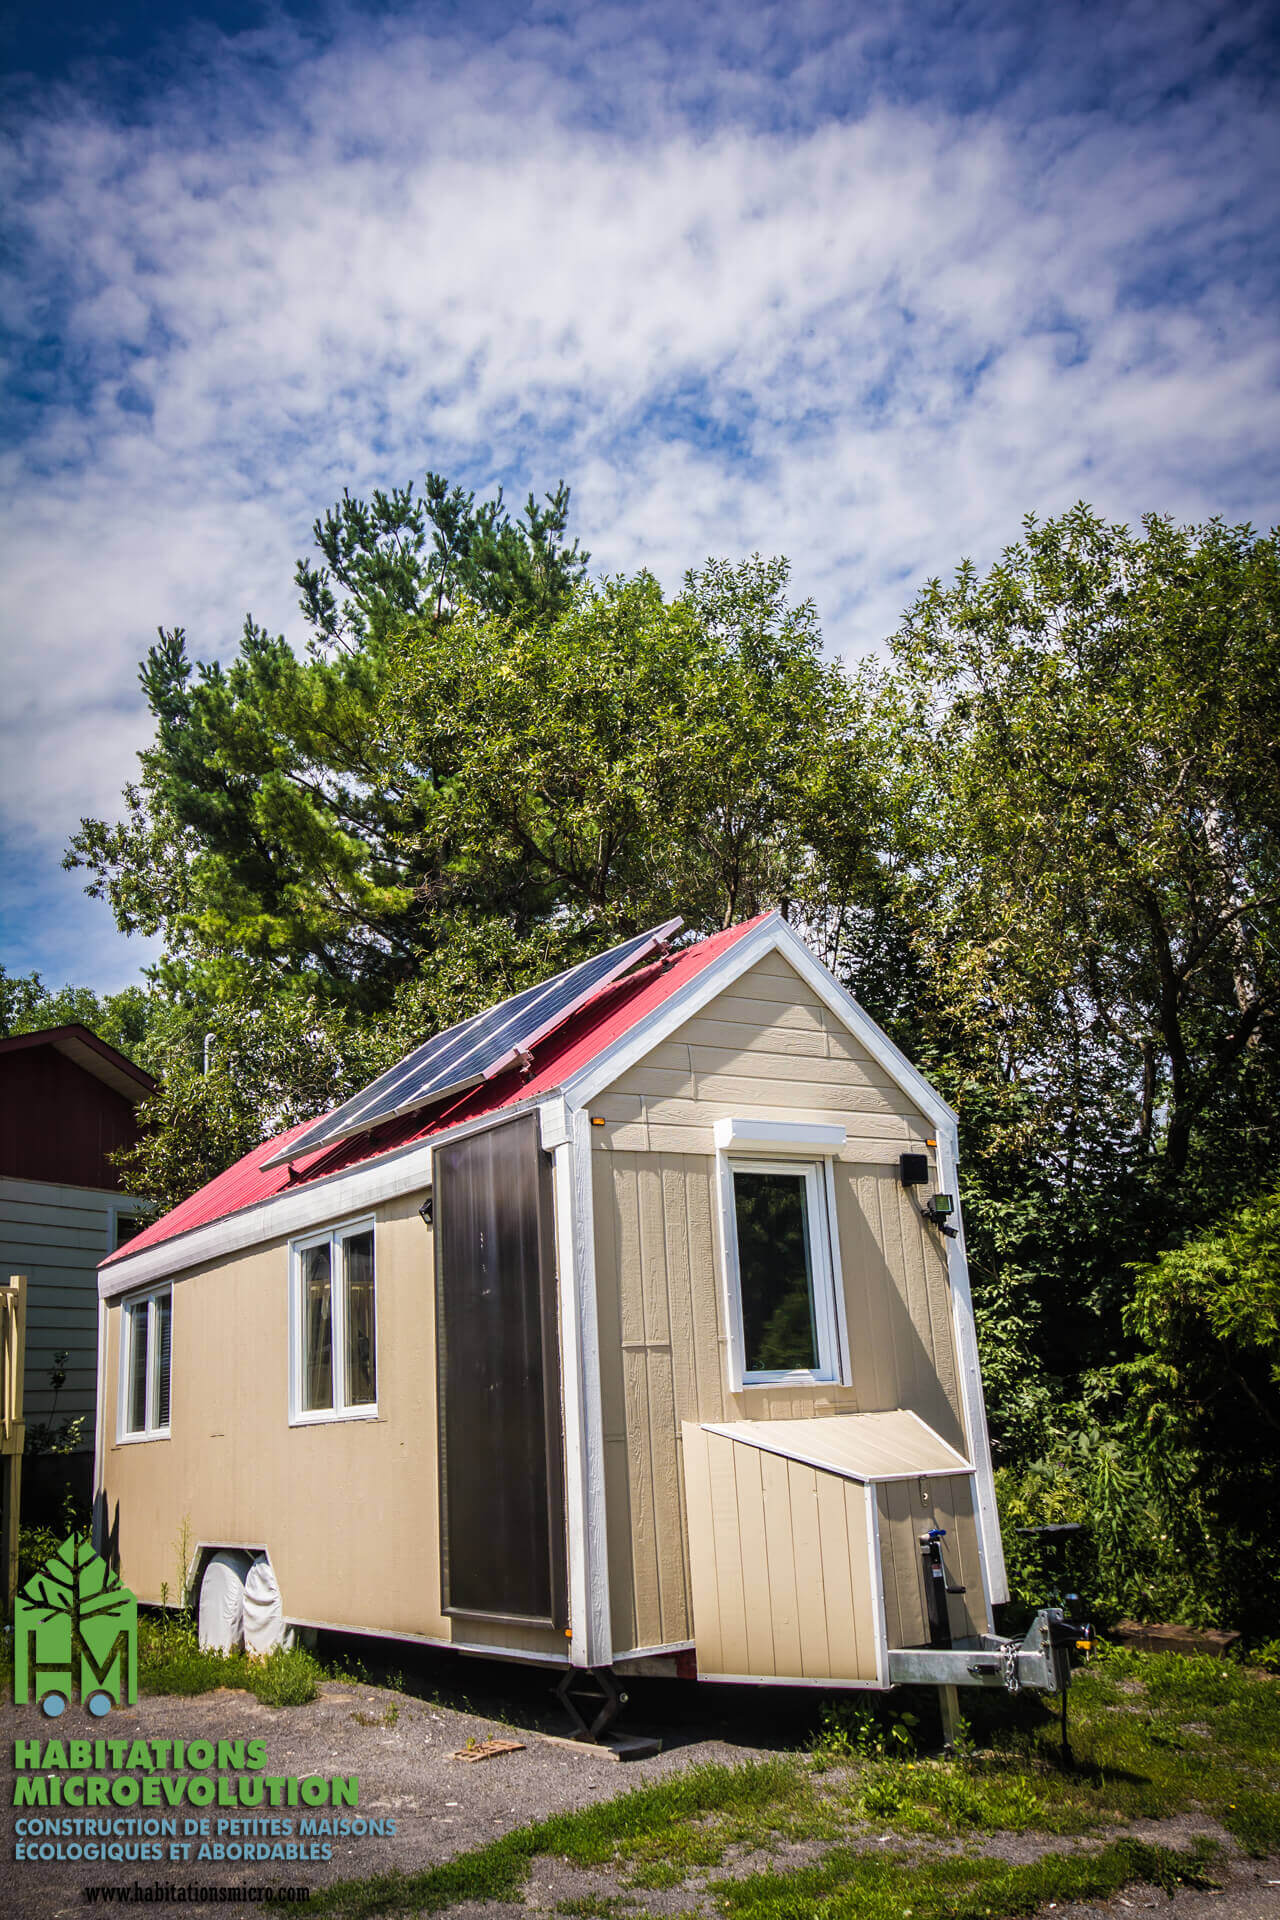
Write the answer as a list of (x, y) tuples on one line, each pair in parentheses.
[(874, 1886), (1153, 1736), (171, 1660)]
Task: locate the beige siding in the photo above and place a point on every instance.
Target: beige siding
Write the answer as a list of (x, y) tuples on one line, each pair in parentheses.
[(765, 1048), (782, 1581), (348, 1510), (906, 1509)]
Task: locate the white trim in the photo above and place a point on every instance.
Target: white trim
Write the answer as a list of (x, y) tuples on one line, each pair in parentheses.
[(837, 1270), (875, 1562), (334, 1238), (863, 1027), (582, 1412), (131, 1210), (742, 1135), (127, 1436), (522, 1656), (98, 1518), (791, 1680), (990, 1546), (652, 1653), (825, 1273), (391, 1174)]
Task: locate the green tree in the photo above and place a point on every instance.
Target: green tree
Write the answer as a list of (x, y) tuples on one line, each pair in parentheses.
[(121, 1019), (638, 757), (1203, 1398), (1095, 794), (1088, 791), (269, 826), (479, 770)]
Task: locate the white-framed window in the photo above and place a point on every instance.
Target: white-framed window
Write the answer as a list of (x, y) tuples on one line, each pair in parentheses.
[(781, 1256), (333, 1325), (145, 1346)]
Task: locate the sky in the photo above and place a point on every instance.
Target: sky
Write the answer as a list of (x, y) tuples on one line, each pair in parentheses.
[(861, 283)]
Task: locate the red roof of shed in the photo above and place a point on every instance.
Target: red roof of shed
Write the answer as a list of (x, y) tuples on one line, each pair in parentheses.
[(610, 1013)]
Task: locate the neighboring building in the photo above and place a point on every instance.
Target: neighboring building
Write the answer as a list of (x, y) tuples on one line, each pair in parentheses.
[(67, 1101), (609, 1328)]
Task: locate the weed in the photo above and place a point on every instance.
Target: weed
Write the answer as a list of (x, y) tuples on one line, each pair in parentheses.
[(1253, 1821), (387, 1718), (171, 1660), (853, 1730)]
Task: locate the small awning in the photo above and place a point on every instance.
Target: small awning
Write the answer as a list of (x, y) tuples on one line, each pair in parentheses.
[(859, 1446)]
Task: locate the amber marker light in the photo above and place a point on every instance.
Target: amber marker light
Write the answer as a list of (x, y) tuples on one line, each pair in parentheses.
[(597, 1119)]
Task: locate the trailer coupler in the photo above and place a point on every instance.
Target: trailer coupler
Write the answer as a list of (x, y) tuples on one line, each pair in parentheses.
[(1041, 1660)]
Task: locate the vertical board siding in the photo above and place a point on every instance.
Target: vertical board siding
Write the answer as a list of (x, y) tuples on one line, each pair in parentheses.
[(767, 1046), (903, 1514), (782, 1584), (60, 1122)]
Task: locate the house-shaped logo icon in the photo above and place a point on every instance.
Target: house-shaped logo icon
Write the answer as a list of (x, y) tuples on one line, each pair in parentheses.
[(75, 1628)]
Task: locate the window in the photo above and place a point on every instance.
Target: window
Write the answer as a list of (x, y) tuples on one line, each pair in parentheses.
[(125, 1227), (782, 1269), (333, 1326), (144, 1366)]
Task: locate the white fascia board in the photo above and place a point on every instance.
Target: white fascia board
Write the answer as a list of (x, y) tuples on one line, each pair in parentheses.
[(590, 1613), (98, 1521), (294, 1210), (973, 1401)]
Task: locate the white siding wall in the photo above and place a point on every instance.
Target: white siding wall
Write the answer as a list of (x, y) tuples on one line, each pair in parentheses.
[(56, 1236)]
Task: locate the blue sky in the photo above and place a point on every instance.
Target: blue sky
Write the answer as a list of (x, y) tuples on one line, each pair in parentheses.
[(857, 283)]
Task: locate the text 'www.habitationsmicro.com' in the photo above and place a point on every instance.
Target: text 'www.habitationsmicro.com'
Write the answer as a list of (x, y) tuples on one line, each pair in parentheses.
[(160, 1893)]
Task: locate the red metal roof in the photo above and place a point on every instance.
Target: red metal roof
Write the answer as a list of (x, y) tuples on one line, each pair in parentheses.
[(602, 1020)]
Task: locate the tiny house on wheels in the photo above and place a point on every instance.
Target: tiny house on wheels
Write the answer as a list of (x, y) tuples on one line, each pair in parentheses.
[(624, 1327)]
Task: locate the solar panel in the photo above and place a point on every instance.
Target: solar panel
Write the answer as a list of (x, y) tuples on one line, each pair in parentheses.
[(476, 1049)]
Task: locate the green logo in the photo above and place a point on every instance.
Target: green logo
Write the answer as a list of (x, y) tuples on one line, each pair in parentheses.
[(74, 1621)]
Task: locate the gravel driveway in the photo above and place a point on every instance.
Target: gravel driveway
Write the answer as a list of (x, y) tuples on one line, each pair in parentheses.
[(402, 1748)]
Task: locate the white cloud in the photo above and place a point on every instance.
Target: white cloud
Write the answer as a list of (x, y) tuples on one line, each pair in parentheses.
[(732, 315)]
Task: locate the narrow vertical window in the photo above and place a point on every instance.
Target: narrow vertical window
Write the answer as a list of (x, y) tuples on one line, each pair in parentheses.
[(161, 1311), (357, 1262), (317, 1330), (333, 1316), (145, 1365)]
